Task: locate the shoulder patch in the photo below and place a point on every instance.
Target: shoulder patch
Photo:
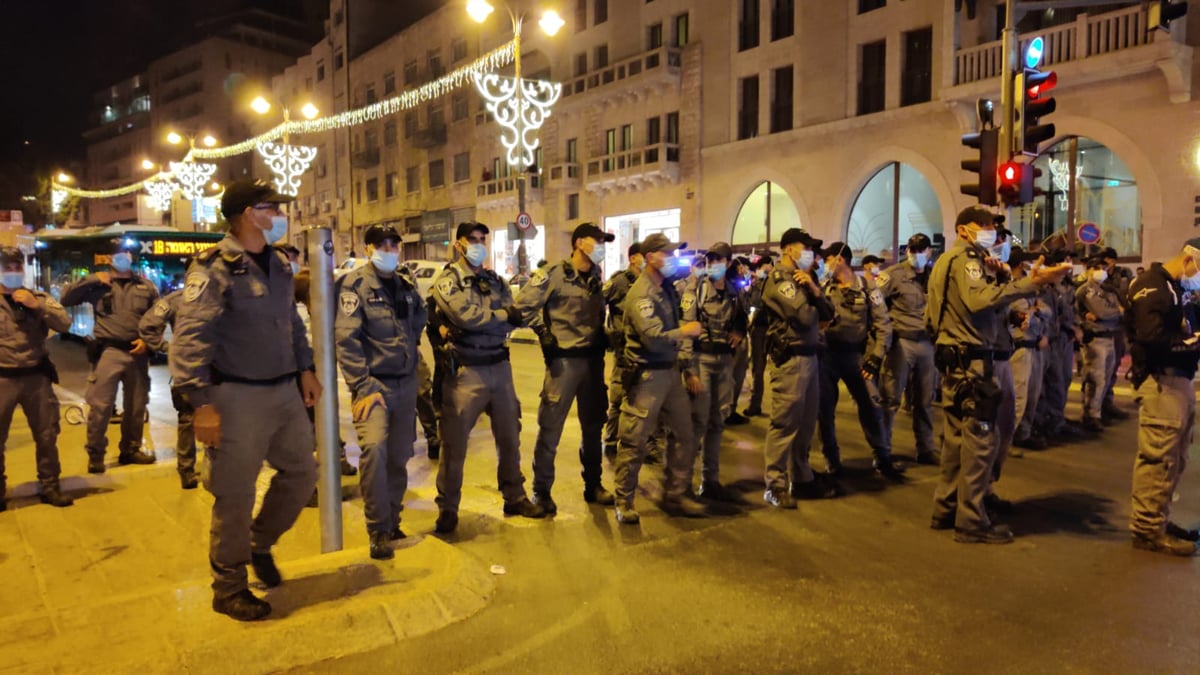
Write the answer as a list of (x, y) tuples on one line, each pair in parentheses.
[(876, 297), (446, 285), (349, 302), (974, 270), (162, 307), (687, 301), (645, 307), (540, 277), (787, 289), (194, 285), (882, 279)]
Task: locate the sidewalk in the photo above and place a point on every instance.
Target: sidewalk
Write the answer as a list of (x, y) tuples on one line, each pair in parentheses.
[(119, 582)]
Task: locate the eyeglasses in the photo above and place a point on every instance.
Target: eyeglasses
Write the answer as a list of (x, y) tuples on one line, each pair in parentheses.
[(266, 207)]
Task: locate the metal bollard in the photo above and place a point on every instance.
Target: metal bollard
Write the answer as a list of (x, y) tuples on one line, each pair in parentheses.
[(321, 306)]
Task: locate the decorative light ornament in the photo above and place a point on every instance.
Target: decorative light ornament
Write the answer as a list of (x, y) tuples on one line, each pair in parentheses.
[(1060, 173), (192, 177), (57, 197), (520, 107), (287, 162), (160, 192)]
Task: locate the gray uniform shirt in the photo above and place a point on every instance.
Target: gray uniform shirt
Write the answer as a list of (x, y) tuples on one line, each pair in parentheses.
[(23, 331), (1100, 301), (568, 306), (153, 326), (377, 333), (794, 316), (238, 320), (904, 292), (972, 299), (614, 295), (476, 307), (653, 314), (117, 307), (859, 313), (721, 312), (1027, 319)]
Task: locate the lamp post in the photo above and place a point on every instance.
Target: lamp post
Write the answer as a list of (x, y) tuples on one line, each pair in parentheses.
[(519, 106)]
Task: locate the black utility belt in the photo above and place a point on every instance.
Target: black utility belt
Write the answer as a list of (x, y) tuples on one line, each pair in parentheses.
[(1026, 344), (846, 347), (980, 354), (220, 378), (390, 376), (574, 352), (481, 359), (800, 350), (714, 347), (656, 365), (1101, 334), (115, 344), (913, 335), (44, 367)]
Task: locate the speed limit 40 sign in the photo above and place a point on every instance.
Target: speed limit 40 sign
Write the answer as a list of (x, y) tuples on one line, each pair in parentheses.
[(524, 221)]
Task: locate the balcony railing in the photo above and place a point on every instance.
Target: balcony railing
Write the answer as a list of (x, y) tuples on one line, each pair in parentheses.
[(365, 159), (566, 175), (1085, 37), (429, 137), (633, 169), (503, 191), (654, 69)]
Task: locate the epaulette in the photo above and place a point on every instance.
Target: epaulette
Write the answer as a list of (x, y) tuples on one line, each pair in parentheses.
[(567, 268), (407, 276), (206, 256), (973, 252), (630, 275), (778, 275)]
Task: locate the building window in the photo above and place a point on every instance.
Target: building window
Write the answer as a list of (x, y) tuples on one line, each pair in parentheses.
[(389, 133), (748, 107), (872, 79), (626, 137), (389, 82), (894, 205), (371, 139), (369, 94), (673, 128), (358, 192), (462, 167), (783, 19), (572, 153), (410, 124), (916, 82), (580, 15), (581, 64), (320, 72), (339, 60), (1082, 181), (573, 206), (601, 12), (865, 6), (434, 61), (412, 179), (654, 36), (390, 183), (372, 190), (782, 86), (748, 25), (601, 59), (458, 49), (437, 173), (308, 84), (437, 115), (681, 30), (766, 214), (411, 73), (458, 106), (653, 131)]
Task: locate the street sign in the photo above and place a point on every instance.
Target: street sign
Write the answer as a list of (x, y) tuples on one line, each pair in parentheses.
[(1033, 53), (524, 221), (1088, 233)]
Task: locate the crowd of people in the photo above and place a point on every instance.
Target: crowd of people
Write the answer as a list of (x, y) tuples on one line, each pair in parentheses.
[(991, 327)]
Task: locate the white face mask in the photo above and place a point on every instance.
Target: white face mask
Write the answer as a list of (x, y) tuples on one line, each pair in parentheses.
[(1099, 276), (985, 238), (760, 273)]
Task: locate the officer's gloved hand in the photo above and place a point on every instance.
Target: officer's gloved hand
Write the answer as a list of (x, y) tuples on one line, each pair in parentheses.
[(871, 367), (513, 315)]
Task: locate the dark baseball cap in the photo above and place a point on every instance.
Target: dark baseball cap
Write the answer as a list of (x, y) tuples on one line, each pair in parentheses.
[(586, 230), (1095, 260), (975, 214), (796, 235), (11, 254), (659, 242), (242, 194), (918, 242), (720, 250), (838, 249), (872, 260), (377, 234), (1110, 253), (465, 229), (634, 249)]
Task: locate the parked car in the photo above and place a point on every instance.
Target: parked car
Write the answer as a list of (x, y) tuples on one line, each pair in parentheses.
[(425, 272)]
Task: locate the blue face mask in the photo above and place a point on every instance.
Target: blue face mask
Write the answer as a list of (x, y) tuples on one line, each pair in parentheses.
[(122, 262), (919, 260), (597, 254), (385, 261), (1191, 283), (295, 267), (716, 271), (279, 228), (806, 260), (475, 254), (669, 267), (13, 280), (1003, 251)]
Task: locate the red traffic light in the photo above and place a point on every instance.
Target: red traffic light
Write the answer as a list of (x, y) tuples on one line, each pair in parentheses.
[(1010, 174), (1039, 83)]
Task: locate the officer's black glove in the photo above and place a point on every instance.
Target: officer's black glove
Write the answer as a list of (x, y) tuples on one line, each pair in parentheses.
[(871, 365), (514, 316)]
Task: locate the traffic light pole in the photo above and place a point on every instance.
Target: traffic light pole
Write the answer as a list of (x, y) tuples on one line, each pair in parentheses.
[(1008, 47)]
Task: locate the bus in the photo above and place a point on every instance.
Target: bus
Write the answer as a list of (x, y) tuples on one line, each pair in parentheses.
[(62, 256)]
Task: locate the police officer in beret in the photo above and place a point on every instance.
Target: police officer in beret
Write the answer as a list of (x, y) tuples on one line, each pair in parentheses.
[(239, 347), (377, 332)]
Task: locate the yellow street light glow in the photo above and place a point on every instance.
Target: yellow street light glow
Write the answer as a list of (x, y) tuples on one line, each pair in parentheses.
[(260, 105), (147, 165), (63, 177), (551, 22), (174, 138), (215, 187), (209, 141), (309, 111), (479, 10)]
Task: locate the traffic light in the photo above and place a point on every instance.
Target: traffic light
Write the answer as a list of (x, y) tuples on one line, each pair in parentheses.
[(1032, 89), (987, 142), (1161, 13), (1009, 183)]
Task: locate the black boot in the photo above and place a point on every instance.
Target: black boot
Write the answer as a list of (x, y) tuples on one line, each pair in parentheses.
[(243, 606), (265, 569), (188, 480), (51, 494)]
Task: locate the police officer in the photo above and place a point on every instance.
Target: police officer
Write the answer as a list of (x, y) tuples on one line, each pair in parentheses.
[(1165, 351), (565, 305), (614, 297), (26, 374), (795, 307), (1118, 282), (239, 347), (962, 314), (478, 313), (757, 319), (377, 332), (1060, 357), (872, 265), (860, 316), (119, 299), (152, 329), (741, 349), (910, 357), (1028, 319), (720, 308), (657, 346), (1099, 314), (427, 412)]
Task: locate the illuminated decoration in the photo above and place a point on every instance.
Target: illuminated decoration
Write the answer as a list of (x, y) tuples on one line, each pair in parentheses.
[(192, 177), (160, 192), (520, 107), (287, 162), (1060, 173), (57, 197)]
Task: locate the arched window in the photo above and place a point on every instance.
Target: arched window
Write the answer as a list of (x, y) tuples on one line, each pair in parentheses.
[(1083, 182), (894, 205), (765, 215)]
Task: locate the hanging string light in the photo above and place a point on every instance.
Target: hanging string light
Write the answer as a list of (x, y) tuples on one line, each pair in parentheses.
[(288, 163)]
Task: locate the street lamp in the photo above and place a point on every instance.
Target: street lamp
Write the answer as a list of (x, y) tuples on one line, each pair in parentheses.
[(287, 162), (63, 177), (519, 106)]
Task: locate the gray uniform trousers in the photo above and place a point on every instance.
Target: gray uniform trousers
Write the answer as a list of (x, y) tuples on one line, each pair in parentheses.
[(185, 434), (386, 438), (35, 394), (655, 392), (846, 367), (465, 396), (1059, 360), (1006, 416), (795, 389), (1119, 350), (616, 394), (1166, 420), (758, 366), (117, 367), (258, 423), (710, 408), (1099, 361), (905, 358), (1029, 372), (580, 380), (427, 412), (741, 363), (968, 454)]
